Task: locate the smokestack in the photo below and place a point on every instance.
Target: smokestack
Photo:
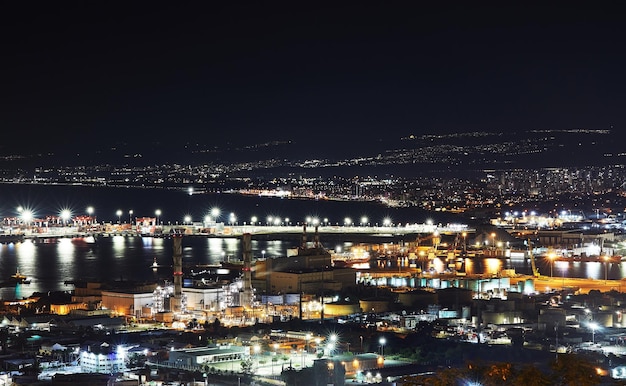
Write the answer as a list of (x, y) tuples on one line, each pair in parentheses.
[(177, 245), (316, 238), (303, 242), (247, 295)]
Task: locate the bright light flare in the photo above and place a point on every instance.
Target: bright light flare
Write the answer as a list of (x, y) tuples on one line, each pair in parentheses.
[(65, 214)]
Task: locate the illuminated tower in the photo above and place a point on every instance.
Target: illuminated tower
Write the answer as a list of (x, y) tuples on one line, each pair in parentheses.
[(176, 301), (247, 294)]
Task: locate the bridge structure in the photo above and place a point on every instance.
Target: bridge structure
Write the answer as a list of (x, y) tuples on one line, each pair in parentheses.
[(239, 230)]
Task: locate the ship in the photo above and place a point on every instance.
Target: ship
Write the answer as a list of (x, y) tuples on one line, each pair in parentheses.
[(19, 278), (356, 256)]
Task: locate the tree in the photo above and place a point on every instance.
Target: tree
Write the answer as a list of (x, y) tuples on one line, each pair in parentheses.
[(572, 369), (531, 376), (246, 366)]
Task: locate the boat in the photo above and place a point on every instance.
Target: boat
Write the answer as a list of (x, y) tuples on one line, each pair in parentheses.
[(356, 256), (19, 278)]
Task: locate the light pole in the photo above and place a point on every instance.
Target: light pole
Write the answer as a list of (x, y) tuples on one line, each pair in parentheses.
[(119, 216), (464, 234), (263, 253), (593, 326), (257, 349), (65, 216), (130, 217), (382, 342), (276, 346), (215, 213), (90, 213), (157, 213), (551, 257)]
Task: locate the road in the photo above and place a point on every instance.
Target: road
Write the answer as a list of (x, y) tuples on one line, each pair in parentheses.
[(546, 284)]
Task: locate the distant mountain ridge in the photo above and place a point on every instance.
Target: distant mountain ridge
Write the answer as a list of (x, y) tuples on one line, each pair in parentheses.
[(450, 151)]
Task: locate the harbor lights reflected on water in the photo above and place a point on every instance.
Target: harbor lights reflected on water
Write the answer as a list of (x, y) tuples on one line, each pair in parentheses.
[(26, 254), (119, 245), (593, 270), (493, 266), (65, 250)]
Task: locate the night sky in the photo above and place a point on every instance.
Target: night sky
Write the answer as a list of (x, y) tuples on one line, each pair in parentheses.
[(97, 72)]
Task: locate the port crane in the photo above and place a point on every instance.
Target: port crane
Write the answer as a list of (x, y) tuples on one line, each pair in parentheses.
[(433, 236)]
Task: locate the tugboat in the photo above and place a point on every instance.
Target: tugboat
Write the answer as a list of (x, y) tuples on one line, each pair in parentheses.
[(19, 278)]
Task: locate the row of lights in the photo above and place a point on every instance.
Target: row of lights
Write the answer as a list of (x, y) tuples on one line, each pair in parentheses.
[(65, 214)]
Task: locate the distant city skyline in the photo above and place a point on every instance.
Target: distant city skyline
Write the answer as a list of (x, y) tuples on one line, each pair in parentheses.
[(81, 75)]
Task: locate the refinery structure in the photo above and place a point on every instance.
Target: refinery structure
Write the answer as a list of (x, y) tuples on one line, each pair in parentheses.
[(243, 292)]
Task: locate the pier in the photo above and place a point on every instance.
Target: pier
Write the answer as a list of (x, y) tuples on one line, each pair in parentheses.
[(330, 231)]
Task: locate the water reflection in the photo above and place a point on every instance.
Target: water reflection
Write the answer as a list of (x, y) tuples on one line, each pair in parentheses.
[(50, 264)]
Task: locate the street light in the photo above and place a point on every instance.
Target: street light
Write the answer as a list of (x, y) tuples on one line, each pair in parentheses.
[(257, 349), (276, 346), (26, 215), (263, 253), (119, 216), (593, 326), (157, 214), (65, 215), (551, 257), (382, 342), (130, 216), (90, 212)]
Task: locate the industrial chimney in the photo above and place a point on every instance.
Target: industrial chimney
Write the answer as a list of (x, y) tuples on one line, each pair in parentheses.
[(247, 295), (176, 301)]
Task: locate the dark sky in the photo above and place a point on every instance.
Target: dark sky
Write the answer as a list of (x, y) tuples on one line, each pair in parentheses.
[(88, 72)]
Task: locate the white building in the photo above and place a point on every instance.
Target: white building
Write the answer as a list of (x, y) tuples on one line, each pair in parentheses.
[(127, 303), (102, 359), (205, 298)]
